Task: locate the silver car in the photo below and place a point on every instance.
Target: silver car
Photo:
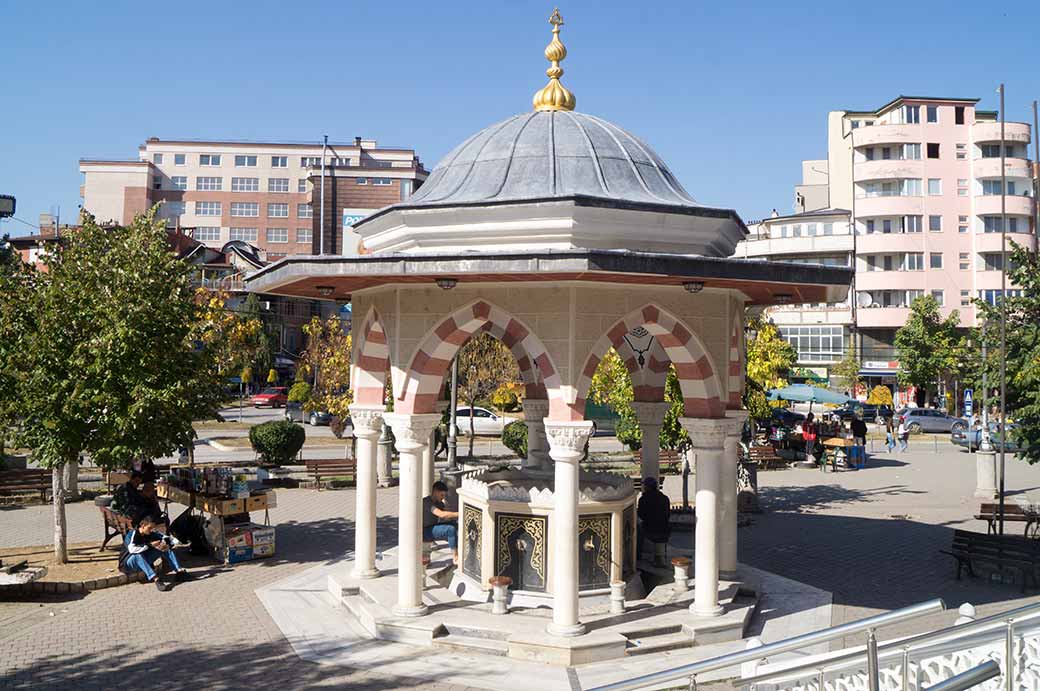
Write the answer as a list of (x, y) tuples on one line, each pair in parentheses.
[(926, 420)]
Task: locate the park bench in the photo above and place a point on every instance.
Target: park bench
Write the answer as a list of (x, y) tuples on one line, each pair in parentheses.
[(330, 468), (765, 457), (115, 524), (998, 553), (1013, 513), (666, 458), (18, 481)]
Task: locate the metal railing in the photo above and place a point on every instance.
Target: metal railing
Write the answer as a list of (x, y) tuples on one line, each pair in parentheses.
[(689, 672), (969, 679), (989, 628)]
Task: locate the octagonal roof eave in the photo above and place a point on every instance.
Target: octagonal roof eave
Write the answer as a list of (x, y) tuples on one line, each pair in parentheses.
[(762, 282)]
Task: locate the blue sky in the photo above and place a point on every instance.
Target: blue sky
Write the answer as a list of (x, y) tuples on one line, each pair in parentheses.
[(732, 95)]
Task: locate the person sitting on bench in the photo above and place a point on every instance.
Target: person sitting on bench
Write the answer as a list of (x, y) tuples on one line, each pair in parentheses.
[(438, 522), (146, 503), (128, 495), (144, 544), (654, 512)]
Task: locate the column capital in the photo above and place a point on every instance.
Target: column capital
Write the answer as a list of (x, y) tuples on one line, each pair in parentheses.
[(739, 417), (708, 434), (535, 409), (651, 413), (366, 419), (567, 439), (412, 430)]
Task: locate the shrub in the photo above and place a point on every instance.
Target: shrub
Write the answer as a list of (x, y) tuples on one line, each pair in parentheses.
[(277, 441), (514, 436), (628, 432), (507, 397), (880, 395), (300, 392)]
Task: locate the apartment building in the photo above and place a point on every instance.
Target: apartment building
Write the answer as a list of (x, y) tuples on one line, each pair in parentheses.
[(267, 194), (912, 193)]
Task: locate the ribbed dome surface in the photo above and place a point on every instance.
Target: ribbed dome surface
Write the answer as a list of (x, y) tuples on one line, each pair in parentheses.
[(547, 154)]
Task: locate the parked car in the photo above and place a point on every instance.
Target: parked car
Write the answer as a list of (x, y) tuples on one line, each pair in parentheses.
[(294, 411), (785, 417), (272, 396), (484, 421), (971, 439), (871, 411), (925, 420)]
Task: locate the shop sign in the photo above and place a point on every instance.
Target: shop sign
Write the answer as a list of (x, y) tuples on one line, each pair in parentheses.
[(881, 364)]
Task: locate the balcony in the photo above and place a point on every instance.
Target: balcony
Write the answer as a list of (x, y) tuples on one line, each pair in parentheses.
[(890, 243), (889, 206), (801, 246), (990, 132), (990, 168), (882, 317), (886, 134), (990, 242), (989, 204), (890, 280), (799, 314), (888, 169)]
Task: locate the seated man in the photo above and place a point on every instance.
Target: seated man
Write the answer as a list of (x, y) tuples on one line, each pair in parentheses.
[(144, 544), (127, 495), (654, 511), (439, 523), (146, 503)]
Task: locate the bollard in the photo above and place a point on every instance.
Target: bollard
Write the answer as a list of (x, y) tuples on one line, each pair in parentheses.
[(500, 594), (682, 569), (750, 669), (965, 613), (617, 597)]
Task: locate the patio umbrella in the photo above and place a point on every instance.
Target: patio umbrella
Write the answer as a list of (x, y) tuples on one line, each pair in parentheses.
[(803, 393)]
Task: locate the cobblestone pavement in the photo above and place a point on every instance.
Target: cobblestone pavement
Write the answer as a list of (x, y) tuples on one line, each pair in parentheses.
[(871, 537)]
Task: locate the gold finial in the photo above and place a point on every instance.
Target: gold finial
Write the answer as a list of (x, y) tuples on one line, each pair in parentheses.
[(554, 96)]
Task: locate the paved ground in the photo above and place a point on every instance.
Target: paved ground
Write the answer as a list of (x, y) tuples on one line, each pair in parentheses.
[(872, 537)]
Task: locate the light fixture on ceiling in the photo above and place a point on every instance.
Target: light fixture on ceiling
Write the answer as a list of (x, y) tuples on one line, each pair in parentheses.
[(782, 298), (325, 291), (447, 283), (693, 286)]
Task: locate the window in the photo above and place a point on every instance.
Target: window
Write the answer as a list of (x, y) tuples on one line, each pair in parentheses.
[(307, 161), (171, 209), (962, 228), (245, 209), (243, 161), (911, 115), (913, 261), (910, 224), (301, 185), (278, 211), (992, 261), (278, 235), (244, 234), (932, 113), (178, 159), (361, 181), (962, 261), (382, 181), (886, 153), (935, 223), (828, 229), (304, 211), (935, 260), (886, 262), (912, 152), (279, 161), (958, 115), (854, 124), (796, 231), (886, 225), (209, 159), (304, 235), (207, 234), (934, 186), (810, 230), (179, 182), (871, 262), (940, 297), (965, 298), (278, 184), (344, 162), (962, 152), (992, 187), (911, 188), (245, 184), (209, 184), (157, 159), (870, 226), (993, 150), (816, 343), (991, 224), (207, 208), (993, 296), (157, 182), (962, 187), (933, 150)]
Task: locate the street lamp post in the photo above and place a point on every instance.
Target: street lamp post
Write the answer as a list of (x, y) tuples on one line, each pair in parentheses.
[(1003, 303)]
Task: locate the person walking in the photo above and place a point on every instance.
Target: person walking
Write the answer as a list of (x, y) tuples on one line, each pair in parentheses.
[(903, 432), (890, 434), (809, 435), (859, 440)]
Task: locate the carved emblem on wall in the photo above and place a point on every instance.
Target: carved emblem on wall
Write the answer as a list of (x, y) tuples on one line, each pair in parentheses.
[(594, 551), (520, 547), (472, 524)]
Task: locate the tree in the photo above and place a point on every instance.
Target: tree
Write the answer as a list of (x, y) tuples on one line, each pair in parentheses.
[(926, 345), (846, 372), (769, 357), (612, 386), (233, 338), (108, 355), (258, 349), (880, 395), (1022, 363), (327, 359), (485, 364), (15, 317)]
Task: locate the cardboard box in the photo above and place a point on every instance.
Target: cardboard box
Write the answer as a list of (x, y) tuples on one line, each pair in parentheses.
[(263, 550), (237, 555), (258, 503), (262, 535), (239, 538)]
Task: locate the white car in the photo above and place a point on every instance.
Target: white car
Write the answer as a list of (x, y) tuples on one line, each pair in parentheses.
[(484, 421)]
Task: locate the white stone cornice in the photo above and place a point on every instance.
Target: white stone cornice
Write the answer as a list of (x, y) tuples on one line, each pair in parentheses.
[(567, 439), (411, 430), (651, 413), (535, 409), (706, 433), (738, 417), (367, 420)]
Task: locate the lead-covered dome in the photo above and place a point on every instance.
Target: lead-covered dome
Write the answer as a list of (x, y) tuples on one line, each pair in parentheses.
[(545, 155)]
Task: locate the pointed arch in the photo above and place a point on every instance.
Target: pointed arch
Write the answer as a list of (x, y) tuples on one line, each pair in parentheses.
[(737, 351), (427, 368), (698, 376), (648, 379), (371, 360)]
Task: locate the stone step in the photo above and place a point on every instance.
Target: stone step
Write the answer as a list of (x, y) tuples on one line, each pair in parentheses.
[(475, 632), (658, 643), (471, 644)]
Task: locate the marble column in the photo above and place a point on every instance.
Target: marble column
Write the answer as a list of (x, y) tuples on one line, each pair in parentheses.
[(708, 437), (427, 465), (651, 416), (535, 410), (728, 506), (566, 447), (384, 459), (368, 423), (412, 433)]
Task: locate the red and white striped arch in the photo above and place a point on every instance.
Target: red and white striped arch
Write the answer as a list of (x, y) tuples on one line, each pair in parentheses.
[(697, 374), (425, 375), (648, 381), (371, 361), (736, 362)]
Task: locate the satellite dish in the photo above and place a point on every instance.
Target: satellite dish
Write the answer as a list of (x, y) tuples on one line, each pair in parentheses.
[(864, 299)]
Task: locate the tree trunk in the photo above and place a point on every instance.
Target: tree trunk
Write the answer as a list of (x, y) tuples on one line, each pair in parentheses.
[(71, 481), (61, 553)]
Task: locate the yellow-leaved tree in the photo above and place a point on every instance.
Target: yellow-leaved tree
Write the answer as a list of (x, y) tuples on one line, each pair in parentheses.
[(327, 361)]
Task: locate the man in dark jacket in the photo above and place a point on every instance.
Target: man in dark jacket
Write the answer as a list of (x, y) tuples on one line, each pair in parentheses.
[(859, 441), (654, 511)]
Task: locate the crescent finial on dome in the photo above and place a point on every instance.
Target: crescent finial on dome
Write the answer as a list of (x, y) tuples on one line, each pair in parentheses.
[(554, 96)]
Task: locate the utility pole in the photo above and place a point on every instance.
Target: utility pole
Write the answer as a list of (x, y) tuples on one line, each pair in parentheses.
[(1036, 172), (1003, 303), (321, 203)]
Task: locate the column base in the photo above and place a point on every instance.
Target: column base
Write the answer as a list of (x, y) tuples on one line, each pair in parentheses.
[(365, 574), (716, 611), (417, 611), (565, 630), (729, 575)]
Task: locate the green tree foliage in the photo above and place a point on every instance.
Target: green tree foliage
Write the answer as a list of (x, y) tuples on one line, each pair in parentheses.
[(278, 441), (300, 392), (673, 436), (769, 357), (485, 364), (847, 371), (327, 358), (108, 352), (514, 437), (1023, 350), (927, 345), (257, 351), (612, 386)]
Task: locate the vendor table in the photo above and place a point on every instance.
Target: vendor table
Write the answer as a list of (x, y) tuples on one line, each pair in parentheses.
[(234, 542), (832, 445)]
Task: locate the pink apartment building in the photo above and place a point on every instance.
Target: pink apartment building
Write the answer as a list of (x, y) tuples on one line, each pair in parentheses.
[(909, 194)]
